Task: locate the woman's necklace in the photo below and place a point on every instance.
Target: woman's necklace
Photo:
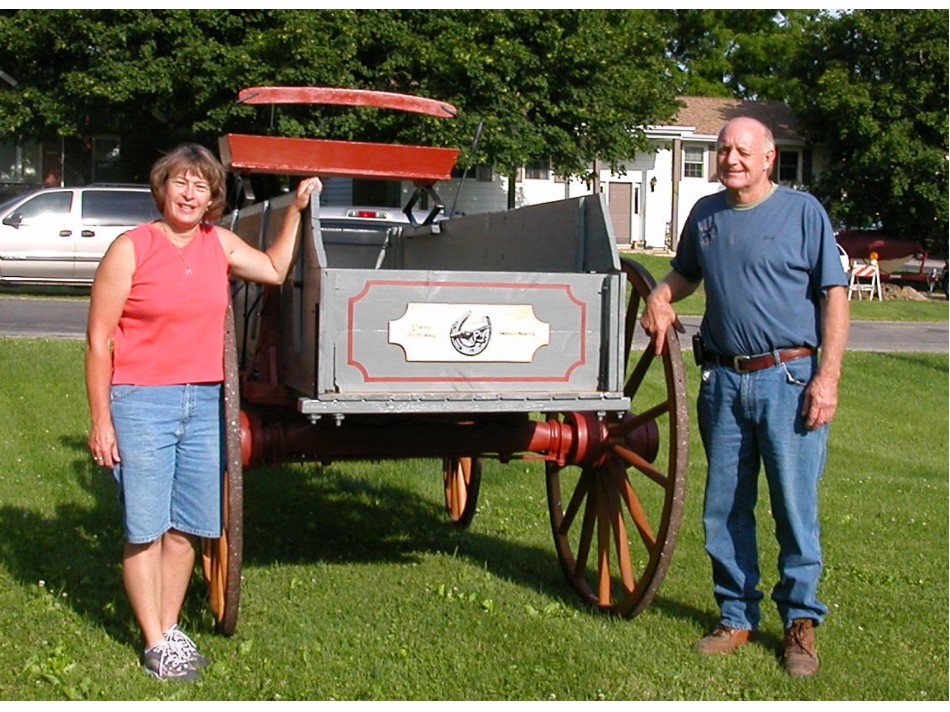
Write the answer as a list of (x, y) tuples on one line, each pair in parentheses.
[(183, 261), (177, 249)]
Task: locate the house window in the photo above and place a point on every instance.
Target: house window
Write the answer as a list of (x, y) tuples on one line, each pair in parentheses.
[(482, 174), (693, 161), (19, 163), (787, 167), (536, 170)]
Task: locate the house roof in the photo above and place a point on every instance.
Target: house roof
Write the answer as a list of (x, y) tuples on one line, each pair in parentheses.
[(708, 114)]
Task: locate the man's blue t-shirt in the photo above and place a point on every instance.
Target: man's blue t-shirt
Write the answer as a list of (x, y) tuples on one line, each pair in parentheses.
[(765, 268)]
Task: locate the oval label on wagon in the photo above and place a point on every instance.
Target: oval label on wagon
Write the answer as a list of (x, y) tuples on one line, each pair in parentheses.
[(504, 333)]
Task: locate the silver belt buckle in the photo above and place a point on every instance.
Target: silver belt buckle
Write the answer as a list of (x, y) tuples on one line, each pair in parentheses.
[(738, 360)]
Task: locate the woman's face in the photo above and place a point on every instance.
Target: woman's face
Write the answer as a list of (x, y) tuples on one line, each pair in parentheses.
[(187, 197)]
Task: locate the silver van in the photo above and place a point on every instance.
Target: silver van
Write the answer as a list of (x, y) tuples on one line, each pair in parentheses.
[(59, 235)]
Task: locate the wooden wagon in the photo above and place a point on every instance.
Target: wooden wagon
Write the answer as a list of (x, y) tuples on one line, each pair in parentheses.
[(508, 335)]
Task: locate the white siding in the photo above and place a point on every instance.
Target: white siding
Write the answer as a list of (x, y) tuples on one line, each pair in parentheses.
[(657, 199)]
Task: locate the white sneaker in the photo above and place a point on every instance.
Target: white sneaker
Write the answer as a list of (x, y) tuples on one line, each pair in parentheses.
[(177, 637), (166, 661)]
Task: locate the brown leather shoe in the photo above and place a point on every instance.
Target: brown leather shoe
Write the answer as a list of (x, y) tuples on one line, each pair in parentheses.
[(800, 658), (723, 640)]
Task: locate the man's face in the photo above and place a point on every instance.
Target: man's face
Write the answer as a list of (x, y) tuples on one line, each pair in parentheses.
[(743, 158)]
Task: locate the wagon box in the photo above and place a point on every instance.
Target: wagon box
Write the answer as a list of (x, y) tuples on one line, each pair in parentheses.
[(451, 313), (510, 335)]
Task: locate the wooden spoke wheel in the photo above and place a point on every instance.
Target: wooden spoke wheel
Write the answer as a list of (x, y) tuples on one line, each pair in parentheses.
[(615, 521), (461, 477), (222, 558)]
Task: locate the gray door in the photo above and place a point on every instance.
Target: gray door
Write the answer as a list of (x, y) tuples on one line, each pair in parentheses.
[(620, 199)]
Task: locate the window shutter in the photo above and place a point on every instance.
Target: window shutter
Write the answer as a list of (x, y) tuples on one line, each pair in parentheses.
[(711, 164)]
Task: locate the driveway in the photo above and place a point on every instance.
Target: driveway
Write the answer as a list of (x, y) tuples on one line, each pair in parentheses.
[(869, 335)]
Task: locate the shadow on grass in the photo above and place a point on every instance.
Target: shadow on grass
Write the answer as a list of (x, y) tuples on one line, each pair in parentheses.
[(292, 515), (902, 361), (308, 514), (323, 515), (707, 621), (75, 553)]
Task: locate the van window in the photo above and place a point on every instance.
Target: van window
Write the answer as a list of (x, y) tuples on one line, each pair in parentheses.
[(116, 207), (46, 206)]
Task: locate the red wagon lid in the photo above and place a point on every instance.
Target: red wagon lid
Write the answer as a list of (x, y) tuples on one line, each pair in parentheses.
[(300, 156)]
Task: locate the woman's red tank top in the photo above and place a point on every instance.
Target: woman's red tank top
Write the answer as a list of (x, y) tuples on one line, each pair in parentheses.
[(172, 327)]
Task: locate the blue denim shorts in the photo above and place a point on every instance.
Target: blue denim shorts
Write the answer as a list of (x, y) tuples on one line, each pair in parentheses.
[(171, 450)]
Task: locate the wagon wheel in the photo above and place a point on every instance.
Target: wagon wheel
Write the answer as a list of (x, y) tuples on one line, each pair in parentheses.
[(222, 557), (461, 477), (616, 531)]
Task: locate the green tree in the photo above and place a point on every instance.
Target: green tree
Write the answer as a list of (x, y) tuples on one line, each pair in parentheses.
[(568, 86), (157, 78), (872, 90), (746, 54), (571, 86)]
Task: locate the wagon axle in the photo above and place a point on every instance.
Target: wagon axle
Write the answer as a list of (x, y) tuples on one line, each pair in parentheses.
[(581, 438)]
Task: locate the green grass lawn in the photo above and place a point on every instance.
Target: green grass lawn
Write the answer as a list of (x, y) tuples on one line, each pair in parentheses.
[(355, 586)]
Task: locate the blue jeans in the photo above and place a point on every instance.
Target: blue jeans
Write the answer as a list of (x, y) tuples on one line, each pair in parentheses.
[(171, 454), (748, 419)]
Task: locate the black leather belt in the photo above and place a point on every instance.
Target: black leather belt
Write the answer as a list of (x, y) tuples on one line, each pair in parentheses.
[(744, 364)]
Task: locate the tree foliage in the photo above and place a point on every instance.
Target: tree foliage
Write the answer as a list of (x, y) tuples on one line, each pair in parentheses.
[(570, 86), (872, 90), (152, 78), (746, 54)]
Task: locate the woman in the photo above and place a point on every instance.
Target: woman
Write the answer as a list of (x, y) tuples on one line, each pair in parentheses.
[(154, 368)]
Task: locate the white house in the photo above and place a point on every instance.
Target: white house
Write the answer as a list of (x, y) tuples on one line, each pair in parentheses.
[(650, 201)]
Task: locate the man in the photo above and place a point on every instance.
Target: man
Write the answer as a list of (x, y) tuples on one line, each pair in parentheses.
[(775, 292)]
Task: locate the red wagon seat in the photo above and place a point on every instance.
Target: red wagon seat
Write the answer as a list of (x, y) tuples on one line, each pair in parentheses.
[(300, 156), (306, 156)]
